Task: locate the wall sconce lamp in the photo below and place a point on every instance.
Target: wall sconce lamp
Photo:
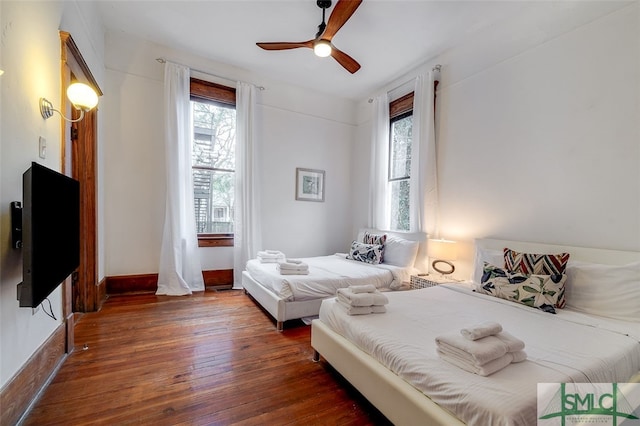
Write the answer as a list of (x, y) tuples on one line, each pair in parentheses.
[(82, 97), (1, 72), (442, 251)]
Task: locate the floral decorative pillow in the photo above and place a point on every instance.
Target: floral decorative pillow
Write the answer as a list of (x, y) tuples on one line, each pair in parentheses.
[(368, 253), (538, 291), (540, 264), (375, 239)]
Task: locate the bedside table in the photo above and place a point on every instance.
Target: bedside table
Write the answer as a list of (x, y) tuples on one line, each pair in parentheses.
[(424, 281)]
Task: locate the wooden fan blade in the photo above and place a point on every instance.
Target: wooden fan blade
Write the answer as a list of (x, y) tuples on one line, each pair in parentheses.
[(345, 60), (277, 45), (340, 14)]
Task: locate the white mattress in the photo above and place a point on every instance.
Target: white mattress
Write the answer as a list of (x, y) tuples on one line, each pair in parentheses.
[(326, 275), (566, 347)]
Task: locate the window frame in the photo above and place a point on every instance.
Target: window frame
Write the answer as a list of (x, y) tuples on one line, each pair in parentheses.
[(206, 91), (399, 109)]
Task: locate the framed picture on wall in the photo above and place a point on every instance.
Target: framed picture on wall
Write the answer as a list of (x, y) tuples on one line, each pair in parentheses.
[(309, 185)]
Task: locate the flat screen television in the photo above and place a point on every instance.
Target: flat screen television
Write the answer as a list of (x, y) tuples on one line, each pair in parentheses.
[(50, 232)]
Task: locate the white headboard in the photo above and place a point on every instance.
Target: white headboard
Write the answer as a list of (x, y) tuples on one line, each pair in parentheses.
[(584, 254), (490, 250), (421, 258)]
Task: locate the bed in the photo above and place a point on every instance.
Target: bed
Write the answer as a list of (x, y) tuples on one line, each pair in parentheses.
[(414, 386), (299, 296)]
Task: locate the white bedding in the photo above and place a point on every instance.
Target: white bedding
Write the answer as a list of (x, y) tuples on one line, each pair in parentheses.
[(326, 275), (566, 347)]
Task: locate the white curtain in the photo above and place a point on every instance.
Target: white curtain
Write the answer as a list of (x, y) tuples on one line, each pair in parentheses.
[(378, 185), (424, 185), (247, 236), (180, 271)]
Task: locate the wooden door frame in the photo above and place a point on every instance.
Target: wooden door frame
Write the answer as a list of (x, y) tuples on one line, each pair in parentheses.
[(79, 160)]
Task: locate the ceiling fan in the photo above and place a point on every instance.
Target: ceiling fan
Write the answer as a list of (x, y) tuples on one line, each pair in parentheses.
[(321, 44)]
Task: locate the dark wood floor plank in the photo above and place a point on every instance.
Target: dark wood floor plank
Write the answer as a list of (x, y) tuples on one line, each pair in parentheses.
[(213, 358)]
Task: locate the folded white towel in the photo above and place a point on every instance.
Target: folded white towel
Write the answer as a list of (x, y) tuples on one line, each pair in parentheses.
[(513, 343), (518, 356), (294, 266), (481, 330), (291, 271), (267, 260), (480, 351), (366, 288), (361, 299), (288, 268), (271, 254), (362, 310), (483, 350), (482, 370)]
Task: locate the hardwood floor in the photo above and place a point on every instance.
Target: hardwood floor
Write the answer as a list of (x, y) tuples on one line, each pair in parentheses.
[(213, 358)]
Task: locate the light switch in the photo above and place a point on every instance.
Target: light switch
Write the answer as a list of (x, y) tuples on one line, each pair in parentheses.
[(42, 148)]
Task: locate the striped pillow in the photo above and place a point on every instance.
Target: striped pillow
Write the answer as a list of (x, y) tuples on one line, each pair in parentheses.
[(533, 263)]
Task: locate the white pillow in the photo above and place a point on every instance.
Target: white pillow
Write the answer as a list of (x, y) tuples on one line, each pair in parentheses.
[(492, 257), (611, 291), (400, 252)]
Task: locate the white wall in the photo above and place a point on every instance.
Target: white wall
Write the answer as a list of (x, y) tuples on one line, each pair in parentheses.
[(31, 61), (541, 142), (304, 228), (296, 128), (554, 134)]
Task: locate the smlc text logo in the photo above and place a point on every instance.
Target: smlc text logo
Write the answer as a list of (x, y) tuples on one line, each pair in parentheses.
[(614, 404)]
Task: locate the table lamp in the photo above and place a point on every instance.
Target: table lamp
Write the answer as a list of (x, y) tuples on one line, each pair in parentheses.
[(442, 251)]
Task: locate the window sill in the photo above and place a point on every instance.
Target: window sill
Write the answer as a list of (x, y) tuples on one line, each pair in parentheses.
[(215, 240)]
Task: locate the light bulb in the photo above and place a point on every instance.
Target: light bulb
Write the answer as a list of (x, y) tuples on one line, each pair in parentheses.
[(82, 96), (322, 48)]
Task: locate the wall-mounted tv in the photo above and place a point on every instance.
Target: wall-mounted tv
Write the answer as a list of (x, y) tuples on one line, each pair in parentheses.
[(50, 232)]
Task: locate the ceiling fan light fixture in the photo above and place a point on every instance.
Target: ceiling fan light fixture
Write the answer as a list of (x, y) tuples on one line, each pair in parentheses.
[(321, 43), (322, 48)]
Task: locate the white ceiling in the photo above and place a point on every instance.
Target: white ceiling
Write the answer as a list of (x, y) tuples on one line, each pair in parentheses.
[(387, 37)]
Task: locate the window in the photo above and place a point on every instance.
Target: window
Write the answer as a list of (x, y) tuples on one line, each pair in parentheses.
[(399, 176), (220, 213), (213, 161)]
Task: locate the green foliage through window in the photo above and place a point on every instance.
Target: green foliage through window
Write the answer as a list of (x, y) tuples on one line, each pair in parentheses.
[(213, 161), (400, 170)]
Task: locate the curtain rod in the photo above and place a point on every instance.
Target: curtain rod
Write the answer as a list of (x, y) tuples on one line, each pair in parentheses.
[(436, 68), (163, 60)]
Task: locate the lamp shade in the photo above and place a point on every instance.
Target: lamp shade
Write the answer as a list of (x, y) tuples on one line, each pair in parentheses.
[(442, 249), (82, 96)]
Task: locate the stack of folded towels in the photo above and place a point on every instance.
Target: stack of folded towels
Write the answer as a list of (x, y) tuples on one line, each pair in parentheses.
[(481, 349), (362, 299), (270, 256), (292, 267)]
